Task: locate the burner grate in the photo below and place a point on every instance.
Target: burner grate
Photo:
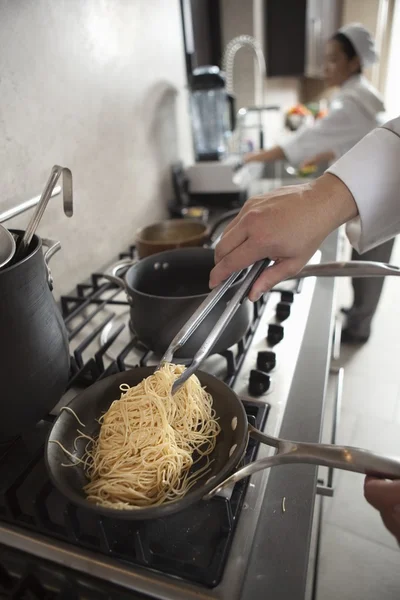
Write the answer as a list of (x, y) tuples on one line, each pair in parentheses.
[(179, 545)]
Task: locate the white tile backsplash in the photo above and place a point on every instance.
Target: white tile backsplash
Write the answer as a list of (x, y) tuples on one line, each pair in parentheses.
[(98, 86)]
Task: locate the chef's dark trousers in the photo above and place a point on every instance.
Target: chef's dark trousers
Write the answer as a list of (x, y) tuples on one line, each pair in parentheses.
[(367, 291)]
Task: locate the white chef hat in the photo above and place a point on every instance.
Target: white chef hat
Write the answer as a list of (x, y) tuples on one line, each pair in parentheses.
[(363, 43)]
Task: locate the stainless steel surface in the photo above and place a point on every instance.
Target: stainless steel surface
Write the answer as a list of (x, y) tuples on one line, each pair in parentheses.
[(328, 488), (220, 325), (41, 207), (7, 246), (21, 208), (345, 458), (354, 268), (337, 339)]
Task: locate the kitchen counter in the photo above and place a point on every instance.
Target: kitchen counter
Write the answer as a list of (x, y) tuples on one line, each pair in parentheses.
[(279, 558), (280, 553)]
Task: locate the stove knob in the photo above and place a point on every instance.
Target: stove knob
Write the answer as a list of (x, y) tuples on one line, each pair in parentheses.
[(266, 360), (275, 334), (287, 297), (282, 311), (259, 382)]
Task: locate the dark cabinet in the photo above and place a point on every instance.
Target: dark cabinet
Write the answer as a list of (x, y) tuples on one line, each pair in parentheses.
[(295, 35)]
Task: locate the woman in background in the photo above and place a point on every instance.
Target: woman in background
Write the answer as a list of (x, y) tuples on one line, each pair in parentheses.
[(354, 111)]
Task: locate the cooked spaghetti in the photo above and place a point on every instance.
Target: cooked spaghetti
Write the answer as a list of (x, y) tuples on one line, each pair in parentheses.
[(148, 442)]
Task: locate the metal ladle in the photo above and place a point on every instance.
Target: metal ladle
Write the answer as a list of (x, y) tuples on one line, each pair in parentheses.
[(56, 171)]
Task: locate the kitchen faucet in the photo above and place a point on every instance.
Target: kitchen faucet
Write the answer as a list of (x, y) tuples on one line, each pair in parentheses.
[(228, 63)]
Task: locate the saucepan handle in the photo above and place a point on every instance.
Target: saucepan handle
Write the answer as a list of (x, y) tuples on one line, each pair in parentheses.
[(52, 248), (228, 216), (345, 458), (354, 268), (112, 274)]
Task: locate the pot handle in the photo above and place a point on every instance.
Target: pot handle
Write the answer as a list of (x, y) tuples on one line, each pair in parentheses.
[(52, 248), (346, 458), (225, 217), (354, 268), (112, 274)]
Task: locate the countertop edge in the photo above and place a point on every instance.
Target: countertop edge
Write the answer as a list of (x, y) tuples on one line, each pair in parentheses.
[(279, 559)]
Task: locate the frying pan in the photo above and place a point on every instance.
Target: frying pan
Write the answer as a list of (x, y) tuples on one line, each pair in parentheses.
[(177, 233), (229, 450)]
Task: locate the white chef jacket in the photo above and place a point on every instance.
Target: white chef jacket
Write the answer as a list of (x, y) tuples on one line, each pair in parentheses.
[(354, 111), (371, 171)]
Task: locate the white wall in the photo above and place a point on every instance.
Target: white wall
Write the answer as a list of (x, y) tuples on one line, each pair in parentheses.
[(98, 86)]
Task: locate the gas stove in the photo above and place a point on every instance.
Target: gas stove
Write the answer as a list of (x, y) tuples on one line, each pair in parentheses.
[(51, 549)]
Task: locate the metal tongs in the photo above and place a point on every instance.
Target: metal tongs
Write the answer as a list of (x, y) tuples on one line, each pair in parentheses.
[(200, 314)]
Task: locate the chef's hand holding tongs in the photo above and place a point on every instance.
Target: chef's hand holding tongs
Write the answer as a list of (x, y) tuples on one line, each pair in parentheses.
[(200, 314)]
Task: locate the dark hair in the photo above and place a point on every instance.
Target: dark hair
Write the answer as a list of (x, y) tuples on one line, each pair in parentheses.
[(346, 46)]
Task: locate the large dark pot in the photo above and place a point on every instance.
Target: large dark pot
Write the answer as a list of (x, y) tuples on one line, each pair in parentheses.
[(165, 289), (34, 352)]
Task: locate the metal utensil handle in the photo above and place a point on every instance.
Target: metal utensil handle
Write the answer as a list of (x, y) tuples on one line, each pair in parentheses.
[(222, 322), (21, 208), (52, 247), (355, 268), (197, 318), (45, 197), (345, 458)]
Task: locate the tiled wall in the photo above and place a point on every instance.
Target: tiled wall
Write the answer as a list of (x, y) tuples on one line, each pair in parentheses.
[(98, 86)]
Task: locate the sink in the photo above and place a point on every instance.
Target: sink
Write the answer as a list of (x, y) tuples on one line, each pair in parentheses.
[(286, 173)]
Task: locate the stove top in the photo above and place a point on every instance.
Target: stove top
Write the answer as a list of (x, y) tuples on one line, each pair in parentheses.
[(198, 553)]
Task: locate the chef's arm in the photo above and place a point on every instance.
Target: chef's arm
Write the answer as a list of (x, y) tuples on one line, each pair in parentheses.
[(271, 155), (371, 171), (290, 224)]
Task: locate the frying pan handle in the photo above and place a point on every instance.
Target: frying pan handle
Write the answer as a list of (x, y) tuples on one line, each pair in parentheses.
[(345, 458)]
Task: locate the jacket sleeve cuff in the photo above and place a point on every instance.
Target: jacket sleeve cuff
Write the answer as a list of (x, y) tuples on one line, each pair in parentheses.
[(371, 171)]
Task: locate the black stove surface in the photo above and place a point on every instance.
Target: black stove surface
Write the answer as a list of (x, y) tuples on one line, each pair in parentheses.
[(193, 544)]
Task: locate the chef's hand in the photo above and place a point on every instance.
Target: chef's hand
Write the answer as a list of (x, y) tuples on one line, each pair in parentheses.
[(385, 497), (287, 226)]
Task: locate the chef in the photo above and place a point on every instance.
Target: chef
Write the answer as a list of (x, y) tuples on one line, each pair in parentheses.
[(362, 189), (355, 110)]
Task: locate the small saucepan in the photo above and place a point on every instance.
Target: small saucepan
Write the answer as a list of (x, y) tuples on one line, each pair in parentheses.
[(164, 290), (177, 233), (225, 458)]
